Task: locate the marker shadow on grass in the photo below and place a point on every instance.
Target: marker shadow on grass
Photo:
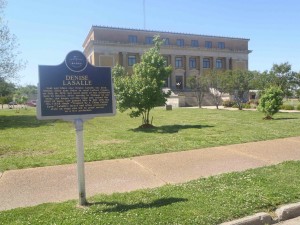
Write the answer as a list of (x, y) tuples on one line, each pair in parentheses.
[(22, 121), (119, 207), (170, 128), (286, 118)]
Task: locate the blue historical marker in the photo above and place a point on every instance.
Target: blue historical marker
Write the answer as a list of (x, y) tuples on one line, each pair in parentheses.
[(76, 91)]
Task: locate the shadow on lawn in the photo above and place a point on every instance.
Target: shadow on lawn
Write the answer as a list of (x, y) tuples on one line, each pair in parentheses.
[(22, 121), (286, 118), (119, 207), (170, 128)]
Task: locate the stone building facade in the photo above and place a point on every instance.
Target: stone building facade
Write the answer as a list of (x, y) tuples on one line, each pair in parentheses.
[(189, 54)]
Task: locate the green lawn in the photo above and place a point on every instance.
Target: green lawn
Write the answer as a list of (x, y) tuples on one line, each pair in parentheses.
[(205, 201), (26, 142)]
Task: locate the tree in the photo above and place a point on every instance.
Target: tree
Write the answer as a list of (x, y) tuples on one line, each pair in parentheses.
[(29, 91), (263, 80), (216, 85), (6, 91), (6, 88), (238, 83), (198, 85), (9, 63), (142, 91), (270, 101), (284, 77)]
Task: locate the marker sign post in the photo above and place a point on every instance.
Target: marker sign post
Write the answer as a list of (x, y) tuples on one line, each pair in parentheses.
[(75, 91)]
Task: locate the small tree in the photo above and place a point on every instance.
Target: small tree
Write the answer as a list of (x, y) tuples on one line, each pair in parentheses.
[(284, 76), (216, 85), (270, 101), (198, 85), (142, 91), (238, 83)]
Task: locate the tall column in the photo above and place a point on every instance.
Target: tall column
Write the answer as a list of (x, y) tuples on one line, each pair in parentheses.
[(213, 63), (172, 63), (227, 63), (201, 65), (187, 68), (124, 60)]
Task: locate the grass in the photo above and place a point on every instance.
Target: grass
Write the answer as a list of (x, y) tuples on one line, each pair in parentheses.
[(205, 201), (26, 142)]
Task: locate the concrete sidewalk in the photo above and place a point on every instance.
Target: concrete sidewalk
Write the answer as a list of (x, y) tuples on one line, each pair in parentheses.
[(28, 187)]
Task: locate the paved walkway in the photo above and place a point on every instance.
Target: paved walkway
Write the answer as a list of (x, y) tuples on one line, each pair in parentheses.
[(28, 187)]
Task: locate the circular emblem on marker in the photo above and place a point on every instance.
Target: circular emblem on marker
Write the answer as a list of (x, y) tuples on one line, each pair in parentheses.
[(76, 61)]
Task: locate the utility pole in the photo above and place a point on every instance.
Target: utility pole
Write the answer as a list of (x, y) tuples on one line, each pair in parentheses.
[(144, 10)]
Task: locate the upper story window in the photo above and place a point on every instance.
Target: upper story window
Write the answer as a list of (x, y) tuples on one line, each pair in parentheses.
[(194, 43), (178, 62), (166, 41), (221, 45), (149, 40), (206, 63), (192, 62), (219, 63), (180, 42), (132, 39), (131, 60), (208, 44)]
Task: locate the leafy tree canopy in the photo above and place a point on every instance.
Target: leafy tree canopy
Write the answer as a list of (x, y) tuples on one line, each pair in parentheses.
[(198, 84), (9, 63), (270, 101), (142, 91), (238, 83)]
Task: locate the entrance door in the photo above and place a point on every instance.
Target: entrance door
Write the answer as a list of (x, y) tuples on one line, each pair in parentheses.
[(179, 82)]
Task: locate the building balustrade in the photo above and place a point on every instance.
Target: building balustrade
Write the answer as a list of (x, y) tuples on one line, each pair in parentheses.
[(170, 46)]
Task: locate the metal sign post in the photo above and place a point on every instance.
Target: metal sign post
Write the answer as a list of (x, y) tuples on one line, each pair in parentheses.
[(75, 91), (80, 161)]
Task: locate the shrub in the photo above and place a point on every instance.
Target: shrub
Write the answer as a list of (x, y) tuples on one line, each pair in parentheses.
[(270, 101), (228, 103), (298, 107), (246, 106), (287, 107)]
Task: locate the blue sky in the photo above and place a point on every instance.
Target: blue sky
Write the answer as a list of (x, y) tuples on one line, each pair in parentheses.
[(48, 29)]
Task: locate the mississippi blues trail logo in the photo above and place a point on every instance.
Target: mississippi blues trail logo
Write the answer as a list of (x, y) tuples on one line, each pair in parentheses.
[(76, 61)]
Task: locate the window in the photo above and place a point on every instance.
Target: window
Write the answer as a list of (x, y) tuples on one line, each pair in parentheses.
[(132, 39), (149, 40), (194, 43), (178, 62), (166, 41), (131, 60), (221, 45), (192, 62), (219, 64), (206, 63), (180, 42), (208, 44)]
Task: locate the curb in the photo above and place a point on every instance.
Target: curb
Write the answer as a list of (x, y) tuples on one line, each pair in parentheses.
[(257, 219), (288, 211), (283, 213)]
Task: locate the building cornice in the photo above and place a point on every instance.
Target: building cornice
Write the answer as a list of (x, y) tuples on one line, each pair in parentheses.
[(164, 32)]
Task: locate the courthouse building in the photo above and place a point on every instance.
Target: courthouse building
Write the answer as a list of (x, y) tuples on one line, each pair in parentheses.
[(189, 54)]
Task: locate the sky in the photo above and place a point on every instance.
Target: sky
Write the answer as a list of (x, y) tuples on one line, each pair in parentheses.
[(49, 29)]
